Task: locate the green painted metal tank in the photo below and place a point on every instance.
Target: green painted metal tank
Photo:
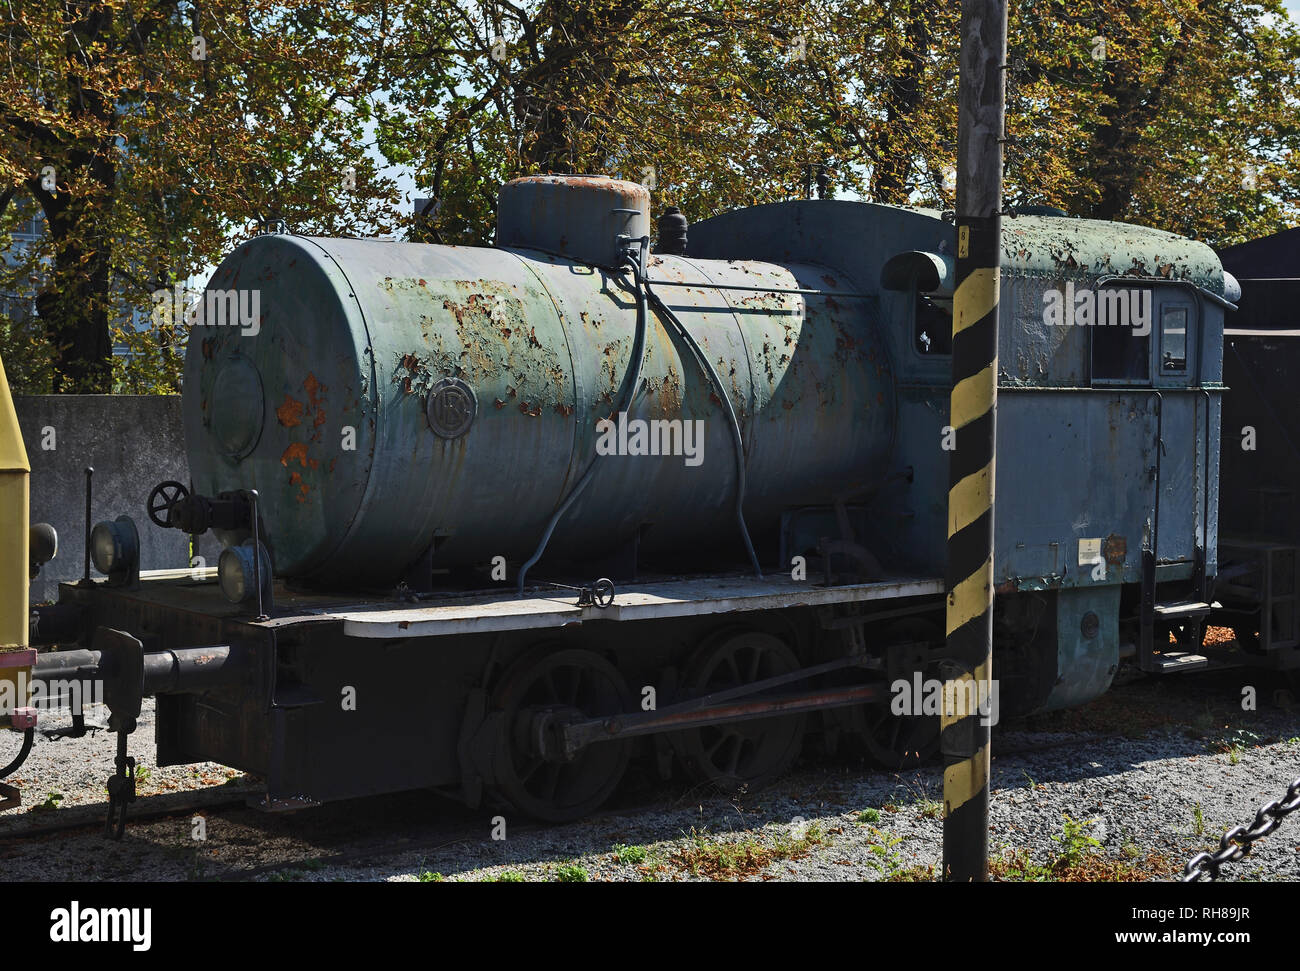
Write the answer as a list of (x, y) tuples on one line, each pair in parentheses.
[(389, 397)]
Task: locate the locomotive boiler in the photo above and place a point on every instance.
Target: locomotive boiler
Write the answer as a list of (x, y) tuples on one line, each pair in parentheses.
[(400, 406)]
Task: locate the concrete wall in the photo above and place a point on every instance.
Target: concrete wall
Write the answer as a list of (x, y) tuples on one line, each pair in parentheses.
[(133, 441)]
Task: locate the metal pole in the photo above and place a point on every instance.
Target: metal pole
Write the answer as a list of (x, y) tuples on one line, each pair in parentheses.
[(973, 415)]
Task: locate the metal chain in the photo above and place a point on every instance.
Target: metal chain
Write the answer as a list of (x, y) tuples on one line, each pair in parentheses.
[(1237, 842)]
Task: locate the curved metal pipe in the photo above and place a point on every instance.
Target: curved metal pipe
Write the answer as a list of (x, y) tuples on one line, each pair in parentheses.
[(28, 736), (629, 395), (733, 422)]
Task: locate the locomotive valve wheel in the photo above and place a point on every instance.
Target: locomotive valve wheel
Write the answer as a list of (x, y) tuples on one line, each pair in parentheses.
[(737, 754), (543, 690), (164, 496)]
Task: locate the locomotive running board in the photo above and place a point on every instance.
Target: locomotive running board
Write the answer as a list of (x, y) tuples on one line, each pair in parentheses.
[(676, 598)]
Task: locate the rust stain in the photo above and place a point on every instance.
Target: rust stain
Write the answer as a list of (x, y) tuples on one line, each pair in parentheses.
[(1115, 549), (313, 389), (297, 451), (289, 414)]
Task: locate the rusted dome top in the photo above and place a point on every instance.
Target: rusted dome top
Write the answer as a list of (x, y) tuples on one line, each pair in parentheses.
[(575, 216)]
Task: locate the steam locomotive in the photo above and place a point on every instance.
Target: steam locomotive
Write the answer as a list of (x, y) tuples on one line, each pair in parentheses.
[(500, 521)]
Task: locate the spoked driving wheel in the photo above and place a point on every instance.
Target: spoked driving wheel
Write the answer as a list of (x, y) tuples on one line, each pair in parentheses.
[(898, 742), (737, 754), (542, 691), (901, 741)]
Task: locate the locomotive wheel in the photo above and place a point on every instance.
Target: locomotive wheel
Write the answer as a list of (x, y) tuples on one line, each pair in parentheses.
[(739, 754), (552, 686), (898, 742)]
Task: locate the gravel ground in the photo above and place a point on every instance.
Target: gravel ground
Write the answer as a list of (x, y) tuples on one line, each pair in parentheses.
[(1126, 788)]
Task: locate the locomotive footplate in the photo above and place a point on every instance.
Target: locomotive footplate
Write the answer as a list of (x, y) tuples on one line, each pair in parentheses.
[(435, 695)]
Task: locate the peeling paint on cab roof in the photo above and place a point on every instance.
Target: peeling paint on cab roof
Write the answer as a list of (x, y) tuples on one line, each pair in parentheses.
[(1046, 245)]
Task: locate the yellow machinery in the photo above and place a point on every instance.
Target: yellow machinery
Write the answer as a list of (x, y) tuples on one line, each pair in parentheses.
[(16, 658)]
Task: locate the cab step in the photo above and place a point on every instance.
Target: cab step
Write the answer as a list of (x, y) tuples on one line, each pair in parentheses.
[(1178, 661), (1184, 609)]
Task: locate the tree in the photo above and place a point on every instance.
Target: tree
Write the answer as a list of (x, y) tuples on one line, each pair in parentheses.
[(152, 139), (1181, 114)]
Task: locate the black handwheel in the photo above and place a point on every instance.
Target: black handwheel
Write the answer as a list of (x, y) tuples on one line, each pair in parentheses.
[(164, 496), (603, 592)]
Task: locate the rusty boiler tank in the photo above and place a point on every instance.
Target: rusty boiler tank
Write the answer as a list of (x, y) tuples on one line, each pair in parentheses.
[(389, 400)]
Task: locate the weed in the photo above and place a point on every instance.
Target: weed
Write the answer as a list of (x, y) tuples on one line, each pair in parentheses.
[(913, 874), (52, 801), (506, 876), (571, 874), (930, 809), (1198, 821), (868, 816), (1234, 744), (723, 860), (630, 854), (430, 877), (1075, 843), (883, 855), (1079, 860)]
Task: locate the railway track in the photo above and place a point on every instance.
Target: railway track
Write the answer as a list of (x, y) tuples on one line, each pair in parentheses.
[(392, 831), (165, 805)]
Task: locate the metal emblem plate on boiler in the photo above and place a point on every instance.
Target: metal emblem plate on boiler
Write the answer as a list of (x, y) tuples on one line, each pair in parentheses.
[(451, 407)]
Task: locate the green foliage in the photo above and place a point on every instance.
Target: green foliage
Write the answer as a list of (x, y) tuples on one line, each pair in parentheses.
[(1181, 114), (571, 873), (630, 854), (1075, 842)]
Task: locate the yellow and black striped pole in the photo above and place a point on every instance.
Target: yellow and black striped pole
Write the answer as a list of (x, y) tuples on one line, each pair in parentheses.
[(973, 416)]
